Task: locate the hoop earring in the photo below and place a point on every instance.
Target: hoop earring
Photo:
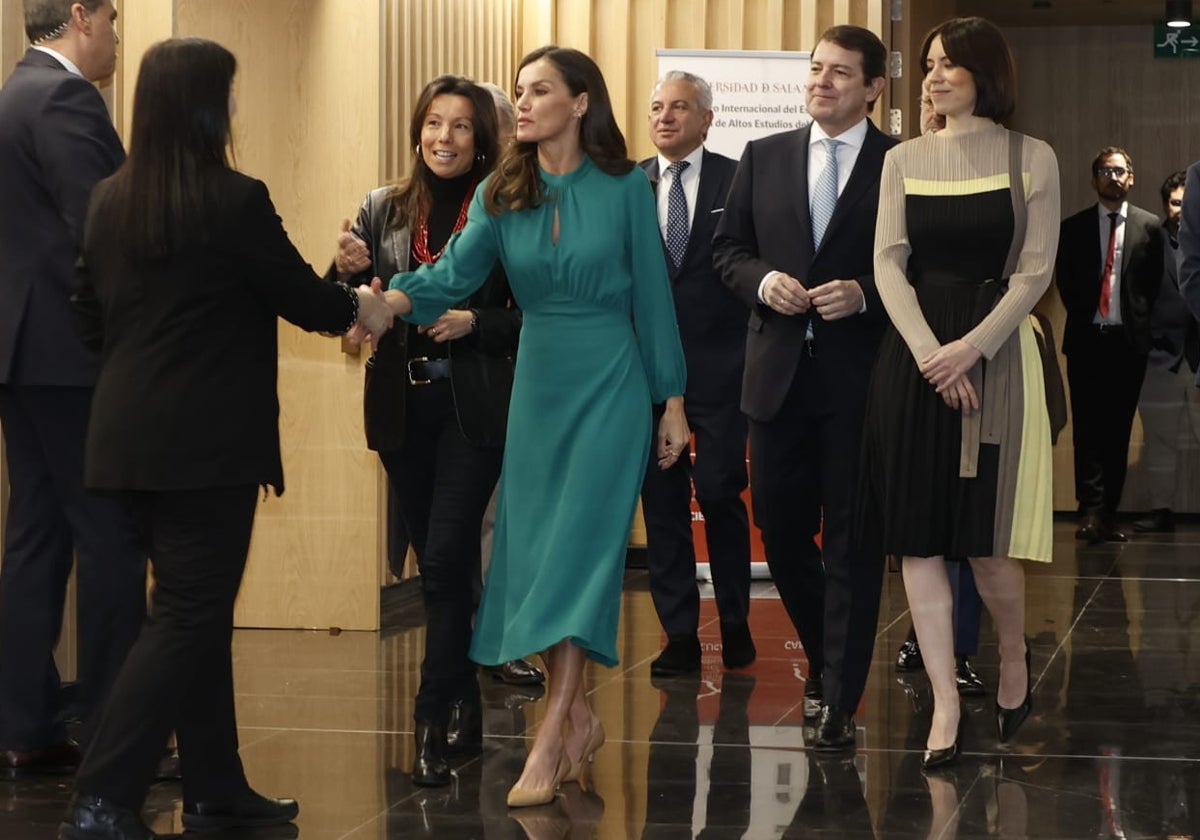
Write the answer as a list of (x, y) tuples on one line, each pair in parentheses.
[(418, 150)]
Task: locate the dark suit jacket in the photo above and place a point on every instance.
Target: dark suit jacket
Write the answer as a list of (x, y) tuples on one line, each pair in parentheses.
[(481, 365), (766, 227), (1189, 245), (1078, 267), (186, 396), (56, 141), (712, 321), (1172, 327)]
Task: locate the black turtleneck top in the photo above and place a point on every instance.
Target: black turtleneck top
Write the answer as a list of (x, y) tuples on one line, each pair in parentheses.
[(447, 196)]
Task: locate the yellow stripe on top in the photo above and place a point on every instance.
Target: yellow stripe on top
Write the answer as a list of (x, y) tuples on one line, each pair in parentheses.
[(971, 186)]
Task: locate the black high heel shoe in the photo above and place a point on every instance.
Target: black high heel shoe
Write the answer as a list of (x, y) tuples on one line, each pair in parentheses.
[(429, 765), (937, 759), (1008, 721)]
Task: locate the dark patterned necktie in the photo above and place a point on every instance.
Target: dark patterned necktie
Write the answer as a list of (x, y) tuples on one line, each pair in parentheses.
[(677, 214)]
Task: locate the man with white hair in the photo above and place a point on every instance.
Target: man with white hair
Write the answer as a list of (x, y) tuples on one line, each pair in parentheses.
[(691, 183)]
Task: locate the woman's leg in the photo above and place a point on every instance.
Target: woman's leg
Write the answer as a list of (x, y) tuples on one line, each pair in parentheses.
[(931, 605), (566, 708), (197, 541), (1001, 585)]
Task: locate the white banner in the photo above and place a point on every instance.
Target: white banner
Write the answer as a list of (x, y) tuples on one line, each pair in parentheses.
[(754, 93)]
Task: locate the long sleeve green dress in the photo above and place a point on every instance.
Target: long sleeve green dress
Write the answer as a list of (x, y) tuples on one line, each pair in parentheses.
[(599, 344)]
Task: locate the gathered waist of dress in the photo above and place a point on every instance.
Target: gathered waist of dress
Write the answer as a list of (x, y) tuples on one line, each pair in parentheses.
[(946, 279)]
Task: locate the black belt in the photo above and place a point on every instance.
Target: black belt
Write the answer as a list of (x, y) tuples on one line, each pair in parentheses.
[(1107, 328), (423, 370)]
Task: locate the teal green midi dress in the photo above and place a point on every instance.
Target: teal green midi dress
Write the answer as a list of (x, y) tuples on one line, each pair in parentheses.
[(598, 345)]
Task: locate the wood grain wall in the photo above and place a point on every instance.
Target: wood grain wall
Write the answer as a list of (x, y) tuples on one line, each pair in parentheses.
[(622, 35), (1085, 87)]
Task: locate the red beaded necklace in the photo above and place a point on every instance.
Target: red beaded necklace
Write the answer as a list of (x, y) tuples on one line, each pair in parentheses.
[(421, 240)]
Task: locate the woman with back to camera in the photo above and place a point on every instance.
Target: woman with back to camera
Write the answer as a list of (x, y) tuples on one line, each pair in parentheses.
[(957, 459), (575, 226), (188, 269), (436, 398)]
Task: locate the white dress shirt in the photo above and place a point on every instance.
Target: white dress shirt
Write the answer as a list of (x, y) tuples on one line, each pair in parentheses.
[(62, 59)]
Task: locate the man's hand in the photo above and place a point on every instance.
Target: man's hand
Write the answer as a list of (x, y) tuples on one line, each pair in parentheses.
[(785, 294), (837, 299)]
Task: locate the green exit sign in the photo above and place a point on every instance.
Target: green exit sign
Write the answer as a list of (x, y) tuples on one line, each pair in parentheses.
[(1176, 43)]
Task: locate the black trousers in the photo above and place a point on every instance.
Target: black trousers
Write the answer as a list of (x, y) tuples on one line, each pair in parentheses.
[(179, 673), (1105, 375), (720, 475), (52, 520), (803, 479), (443, 484)]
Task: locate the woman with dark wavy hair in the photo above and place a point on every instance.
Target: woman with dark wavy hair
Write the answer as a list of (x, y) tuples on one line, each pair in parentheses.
[(574, 224), (436, 398), (188, 270)]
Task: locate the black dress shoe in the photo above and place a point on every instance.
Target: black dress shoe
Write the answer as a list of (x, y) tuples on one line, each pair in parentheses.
[(969, 683), (1008, 721), (835, 730), (1113, 534), (1090, 530), (909, 657), (516, 672), (250, 810), (429, 765), (737, 648), (814, 697), (681, 656), (464, 727), (59, 759), (1158, 521), (94, 818)]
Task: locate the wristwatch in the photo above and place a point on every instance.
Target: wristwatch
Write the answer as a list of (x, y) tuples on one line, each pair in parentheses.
[(474, 320)]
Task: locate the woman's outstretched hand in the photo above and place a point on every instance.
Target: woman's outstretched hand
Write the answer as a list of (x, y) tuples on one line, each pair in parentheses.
[(374, 315)]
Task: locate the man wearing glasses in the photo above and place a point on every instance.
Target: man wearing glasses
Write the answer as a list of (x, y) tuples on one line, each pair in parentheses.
[(1169, 398), (1108, 272)]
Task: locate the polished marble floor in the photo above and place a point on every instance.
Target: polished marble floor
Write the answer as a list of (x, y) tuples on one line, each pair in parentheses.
[(1112, 748)]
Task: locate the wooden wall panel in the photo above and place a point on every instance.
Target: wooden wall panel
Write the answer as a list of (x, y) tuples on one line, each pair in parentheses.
[(622, 35), (1087, 87), (12, 35), (426, 38)]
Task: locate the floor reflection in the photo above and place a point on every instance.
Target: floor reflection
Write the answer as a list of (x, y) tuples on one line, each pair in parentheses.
[(1112, 748)]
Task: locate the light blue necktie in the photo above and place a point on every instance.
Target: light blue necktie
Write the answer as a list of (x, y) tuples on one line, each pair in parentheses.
[(825, 192), (677, 214)]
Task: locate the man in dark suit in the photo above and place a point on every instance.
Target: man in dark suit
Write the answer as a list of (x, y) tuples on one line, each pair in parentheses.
[(1169, 397), (1108, 271), (691, 183), (796, 242), (56, 142)]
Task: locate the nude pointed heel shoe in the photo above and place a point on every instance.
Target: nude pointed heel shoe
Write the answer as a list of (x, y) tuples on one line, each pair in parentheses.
[(594, 742), (528, 797)]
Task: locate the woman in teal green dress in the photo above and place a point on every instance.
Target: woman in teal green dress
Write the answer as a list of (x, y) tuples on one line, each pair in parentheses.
[(574, 224)]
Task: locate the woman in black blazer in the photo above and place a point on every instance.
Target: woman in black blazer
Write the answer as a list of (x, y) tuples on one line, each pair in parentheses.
[(436, 398), (188, 269)]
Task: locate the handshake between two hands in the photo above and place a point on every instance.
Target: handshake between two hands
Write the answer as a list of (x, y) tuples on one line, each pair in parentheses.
[(374, 315)]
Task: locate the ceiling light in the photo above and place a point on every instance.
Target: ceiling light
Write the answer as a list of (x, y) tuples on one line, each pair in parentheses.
[(1179, 13)]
